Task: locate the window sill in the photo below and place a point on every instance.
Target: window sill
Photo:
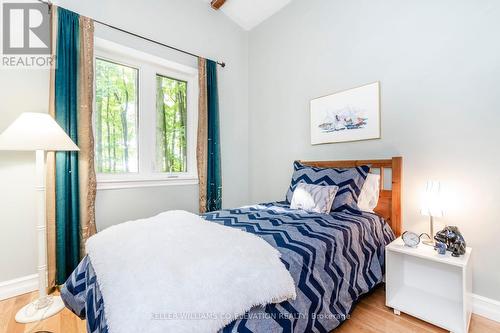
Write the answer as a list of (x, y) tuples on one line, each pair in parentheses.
[(116, 184)]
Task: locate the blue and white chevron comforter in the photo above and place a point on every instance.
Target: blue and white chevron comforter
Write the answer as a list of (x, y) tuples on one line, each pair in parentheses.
[(334, 259)]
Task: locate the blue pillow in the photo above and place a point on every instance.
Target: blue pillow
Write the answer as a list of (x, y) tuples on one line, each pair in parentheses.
[(349, 180)]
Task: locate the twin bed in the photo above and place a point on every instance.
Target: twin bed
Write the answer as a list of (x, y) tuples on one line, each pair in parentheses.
[(333, 259)]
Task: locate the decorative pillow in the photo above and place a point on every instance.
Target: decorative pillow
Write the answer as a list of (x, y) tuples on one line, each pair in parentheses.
[(350, 181), (313, 198), (368, 198)]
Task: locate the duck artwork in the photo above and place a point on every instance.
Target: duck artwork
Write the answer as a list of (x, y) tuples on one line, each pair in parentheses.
[(347, 118)]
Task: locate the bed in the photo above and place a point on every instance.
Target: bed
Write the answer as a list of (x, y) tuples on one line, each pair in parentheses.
[(333, 258)]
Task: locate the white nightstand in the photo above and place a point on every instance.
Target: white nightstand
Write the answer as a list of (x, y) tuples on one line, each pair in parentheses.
[(435, 288)]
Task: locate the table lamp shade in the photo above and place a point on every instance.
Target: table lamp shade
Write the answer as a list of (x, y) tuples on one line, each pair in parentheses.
[(432, 201), (36, 131)]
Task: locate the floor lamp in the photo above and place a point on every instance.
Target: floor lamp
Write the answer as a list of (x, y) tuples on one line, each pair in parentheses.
[(38, 132)]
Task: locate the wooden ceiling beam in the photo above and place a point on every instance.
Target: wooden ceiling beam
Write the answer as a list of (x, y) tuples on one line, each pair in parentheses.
[(216, 4)]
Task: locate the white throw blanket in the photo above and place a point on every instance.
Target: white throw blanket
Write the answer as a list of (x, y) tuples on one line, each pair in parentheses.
[(176, 272)]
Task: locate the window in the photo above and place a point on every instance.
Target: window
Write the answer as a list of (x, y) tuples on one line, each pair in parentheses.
[(145, 119), (116, 117), (171, 118)]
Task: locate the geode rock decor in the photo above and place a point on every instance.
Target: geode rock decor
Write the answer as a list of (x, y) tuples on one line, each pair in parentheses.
[(455, 242), (440, 248)]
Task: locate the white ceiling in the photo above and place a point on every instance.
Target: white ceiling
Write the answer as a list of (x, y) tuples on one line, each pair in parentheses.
[(250, 13)]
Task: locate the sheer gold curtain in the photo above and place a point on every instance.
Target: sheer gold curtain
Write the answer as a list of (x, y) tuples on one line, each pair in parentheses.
[(50, 186), (201, 151), (85, 133), (87, 178)]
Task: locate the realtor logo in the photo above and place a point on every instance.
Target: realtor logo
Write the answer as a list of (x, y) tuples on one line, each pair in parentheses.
[(26, 41), (26, 29)]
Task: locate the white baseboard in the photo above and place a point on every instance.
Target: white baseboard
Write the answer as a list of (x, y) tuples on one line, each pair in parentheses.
[(486, 307), (18, 286)]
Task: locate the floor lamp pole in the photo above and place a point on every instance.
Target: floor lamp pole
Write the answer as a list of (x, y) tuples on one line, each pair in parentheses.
[(41, 225), (45, 306)]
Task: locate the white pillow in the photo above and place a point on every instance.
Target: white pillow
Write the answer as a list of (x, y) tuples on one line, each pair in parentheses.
[(368, 198), (313, 198)]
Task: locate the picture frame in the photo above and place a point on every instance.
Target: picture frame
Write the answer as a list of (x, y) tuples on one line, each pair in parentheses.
[(346, 116)]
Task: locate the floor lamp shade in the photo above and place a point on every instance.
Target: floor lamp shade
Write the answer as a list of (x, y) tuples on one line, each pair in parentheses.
[(38, 132)]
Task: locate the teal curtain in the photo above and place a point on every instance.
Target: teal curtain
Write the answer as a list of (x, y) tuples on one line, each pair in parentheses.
[(214, 179), (67, 192)]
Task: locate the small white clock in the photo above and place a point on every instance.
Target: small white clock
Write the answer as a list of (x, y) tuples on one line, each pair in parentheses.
[(410, 238)]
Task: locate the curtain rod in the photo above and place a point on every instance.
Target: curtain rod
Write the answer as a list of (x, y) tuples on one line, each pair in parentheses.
[(220, 63)]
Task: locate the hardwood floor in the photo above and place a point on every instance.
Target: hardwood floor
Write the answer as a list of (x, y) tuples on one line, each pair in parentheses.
[(63, 322), (370, 316)]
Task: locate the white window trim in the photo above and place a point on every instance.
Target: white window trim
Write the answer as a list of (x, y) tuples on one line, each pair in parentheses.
[(148, 66)]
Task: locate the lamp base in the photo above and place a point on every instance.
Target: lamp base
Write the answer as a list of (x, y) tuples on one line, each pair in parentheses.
[(40, 309), (430, 242)]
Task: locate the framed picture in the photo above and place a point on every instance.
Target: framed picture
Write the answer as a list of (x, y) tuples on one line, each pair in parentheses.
[(349, 115)]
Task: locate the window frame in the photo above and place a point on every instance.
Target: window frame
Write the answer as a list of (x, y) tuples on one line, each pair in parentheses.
[(148, 67)]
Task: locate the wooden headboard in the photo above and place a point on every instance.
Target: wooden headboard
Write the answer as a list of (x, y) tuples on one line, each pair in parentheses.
[(389, 203)]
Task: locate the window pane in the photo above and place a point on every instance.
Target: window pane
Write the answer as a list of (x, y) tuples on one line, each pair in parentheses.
[(171, 118), (115, 117)]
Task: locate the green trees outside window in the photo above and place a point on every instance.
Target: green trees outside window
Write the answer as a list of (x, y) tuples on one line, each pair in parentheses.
[(171, 119), (115, 122), (117, 115)]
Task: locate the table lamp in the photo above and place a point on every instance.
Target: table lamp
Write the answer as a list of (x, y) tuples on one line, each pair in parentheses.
[(38, 132), (432, 206)]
